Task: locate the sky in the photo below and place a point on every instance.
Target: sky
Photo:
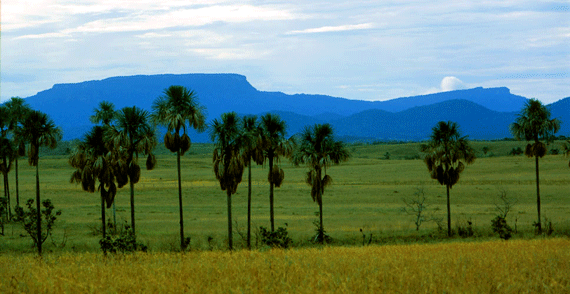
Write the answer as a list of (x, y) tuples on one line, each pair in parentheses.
[(366, 50)]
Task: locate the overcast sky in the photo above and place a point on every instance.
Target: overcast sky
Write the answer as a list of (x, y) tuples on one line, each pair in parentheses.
[(368, 50)]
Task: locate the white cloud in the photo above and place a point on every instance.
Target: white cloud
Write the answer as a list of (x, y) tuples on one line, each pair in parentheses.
[(328, 29), (451, 84)]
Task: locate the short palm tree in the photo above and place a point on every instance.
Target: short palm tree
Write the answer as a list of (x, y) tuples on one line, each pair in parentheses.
[(18, 110), (39, 130), (446, 155), (93, 163), (318, 149), (131, 135), (178, 109), (535, 125), (228, 159), (274, 145), (251, 150)]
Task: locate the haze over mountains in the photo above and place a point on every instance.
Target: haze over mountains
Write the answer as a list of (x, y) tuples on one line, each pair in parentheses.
[(481, 113)]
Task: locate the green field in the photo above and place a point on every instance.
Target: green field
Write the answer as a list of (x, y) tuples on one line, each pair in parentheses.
[(366, 194)]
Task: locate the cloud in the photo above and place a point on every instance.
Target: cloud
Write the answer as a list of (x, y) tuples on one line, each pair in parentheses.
[(329, 29), (451, 84)]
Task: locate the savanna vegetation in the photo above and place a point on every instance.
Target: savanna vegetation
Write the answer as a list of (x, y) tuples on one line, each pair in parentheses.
[(376, 194)]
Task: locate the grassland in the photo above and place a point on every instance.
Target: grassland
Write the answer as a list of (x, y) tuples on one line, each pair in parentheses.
[(366, 194), (519, 266)]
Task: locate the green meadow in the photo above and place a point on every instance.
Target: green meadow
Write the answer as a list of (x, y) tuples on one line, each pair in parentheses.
[(366, 195)]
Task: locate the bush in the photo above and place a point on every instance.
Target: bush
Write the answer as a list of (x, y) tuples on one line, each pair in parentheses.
[(465, 231), (516, 151), (125, 242), (29, 219), (500, 226), (278, 238)]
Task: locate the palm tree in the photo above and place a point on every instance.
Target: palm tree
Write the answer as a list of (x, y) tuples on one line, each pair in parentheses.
[(446, 155), (93, 162), (274, 145), (534, 124), (105, 114), (39, 130), (177, 109), (318, 149), (6, 154), (18, 110), (131, 136), (251, 150), (228, 159)]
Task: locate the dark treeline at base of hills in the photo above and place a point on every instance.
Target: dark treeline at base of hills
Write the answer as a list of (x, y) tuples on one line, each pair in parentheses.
[(482, 113)]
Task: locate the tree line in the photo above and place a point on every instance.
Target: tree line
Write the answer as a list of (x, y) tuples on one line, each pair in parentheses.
[(107, 157)]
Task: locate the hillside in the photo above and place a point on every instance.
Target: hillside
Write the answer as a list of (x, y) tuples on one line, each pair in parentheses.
[(481, 113)]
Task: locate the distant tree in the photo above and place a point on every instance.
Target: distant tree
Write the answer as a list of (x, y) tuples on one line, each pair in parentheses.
[(251, 133), (131, 135), (18, 109), (274, 145), (485, 150), (318, 149), (228, 159), (39, 130), (534, 124), (94, 163), (178, 109), (446, 155)]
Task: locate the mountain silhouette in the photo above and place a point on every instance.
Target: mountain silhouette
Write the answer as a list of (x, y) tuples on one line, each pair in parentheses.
[(481, 113)]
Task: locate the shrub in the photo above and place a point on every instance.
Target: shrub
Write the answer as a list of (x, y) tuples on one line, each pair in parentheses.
[(277, 238), (29, 219), (500, 226), (125, 242), (465, 231), (516, 151)]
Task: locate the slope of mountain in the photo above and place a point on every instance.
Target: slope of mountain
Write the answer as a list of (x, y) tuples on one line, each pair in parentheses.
[(415, 124), (478, 111), (497, 99)]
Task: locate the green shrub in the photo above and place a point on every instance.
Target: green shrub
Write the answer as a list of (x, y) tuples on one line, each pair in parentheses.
[(277, 238), (125, 242), (29, 219), (500, 226)]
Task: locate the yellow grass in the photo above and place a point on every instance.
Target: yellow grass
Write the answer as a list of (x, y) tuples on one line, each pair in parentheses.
[(519, 266)]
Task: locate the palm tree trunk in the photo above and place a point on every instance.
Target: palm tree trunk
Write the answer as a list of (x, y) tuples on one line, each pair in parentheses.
[(38, 212), (230, 235), (321, 229), (180, 202), (271, 215), (539, 225), (103, 226), (114, 219), (448, 214), (17, 185), (132, 206), (7, 195), (249, 205)]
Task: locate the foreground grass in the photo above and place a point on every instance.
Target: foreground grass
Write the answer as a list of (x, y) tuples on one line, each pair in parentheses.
[(520, 266)]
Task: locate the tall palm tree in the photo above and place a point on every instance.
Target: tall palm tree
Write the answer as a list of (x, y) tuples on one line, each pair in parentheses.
[(251, 150), (228, 159), (93, 162), (105, 114), (535, 125), (318, 149), (131, 135), (178, 109), (446, 155), (39, 130), (18, 110), (274, 145), (6, 154)]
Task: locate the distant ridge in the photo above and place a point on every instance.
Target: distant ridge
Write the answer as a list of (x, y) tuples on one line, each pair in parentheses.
[(481, 113)]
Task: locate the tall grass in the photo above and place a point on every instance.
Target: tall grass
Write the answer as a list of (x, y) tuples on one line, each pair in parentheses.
[(520, 266)]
